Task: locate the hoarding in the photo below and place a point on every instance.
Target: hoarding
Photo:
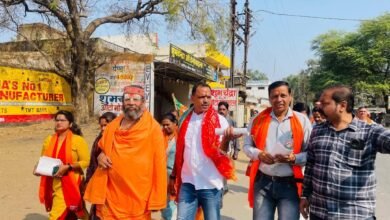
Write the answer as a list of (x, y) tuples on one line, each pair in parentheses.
[(29, 95), (228, 95), (121, 71)]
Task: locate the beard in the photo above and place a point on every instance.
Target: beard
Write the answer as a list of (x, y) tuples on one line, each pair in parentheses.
[(132, 114)]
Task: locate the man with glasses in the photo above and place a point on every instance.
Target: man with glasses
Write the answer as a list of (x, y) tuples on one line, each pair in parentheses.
[(201, 161), (132, 180)]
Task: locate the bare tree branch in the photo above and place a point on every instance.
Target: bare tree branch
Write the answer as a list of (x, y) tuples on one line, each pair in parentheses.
[(125, 16)]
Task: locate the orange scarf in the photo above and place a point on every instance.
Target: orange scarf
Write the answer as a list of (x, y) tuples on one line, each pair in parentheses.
[(70, 184), (260, 131), (210, 144)]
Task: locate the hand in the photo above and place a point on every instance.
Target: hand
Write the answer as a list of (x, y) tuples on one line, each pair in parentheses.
[(235, 155), (279, 158), (228, 134), (171, 187), (304, 207), (227, 137), (104, 161), (62, 170), (34, 171), (267, 158)]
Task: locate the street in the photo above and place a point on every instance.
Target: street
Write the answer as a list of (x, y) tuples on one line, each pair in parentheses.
[(20, 148)]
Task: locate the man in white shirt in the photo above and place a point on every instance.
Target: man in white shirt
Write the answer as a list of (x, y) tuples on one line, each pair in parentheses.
[(201, 161), (277, 147)]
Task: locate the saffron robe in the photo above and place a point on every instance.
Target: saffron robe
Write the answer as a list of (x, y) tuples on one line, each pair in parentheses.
[(137, 182)]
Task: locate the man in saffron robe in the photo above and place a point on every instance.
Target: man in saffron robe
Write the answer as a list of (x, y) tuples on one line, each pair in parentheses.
[(201, 161), (132, 179), (277, 147)]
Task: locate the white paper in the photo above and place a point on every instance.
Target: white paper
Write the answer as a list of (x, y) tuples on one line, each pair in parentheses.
[(46, 164), (236, 131)]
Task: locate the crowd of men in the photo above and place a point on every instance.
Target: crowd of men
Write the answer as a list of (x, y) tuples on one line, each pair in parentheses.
[(337, 153)]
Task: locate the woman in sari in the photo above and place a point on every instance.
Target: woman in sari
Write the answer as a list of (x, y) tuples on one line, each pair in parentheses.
[(106, 118), (169, 126), (61, 192)]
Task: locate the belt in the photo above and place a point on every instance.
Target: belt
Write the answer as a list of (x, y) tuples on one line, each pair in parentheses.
[(278, 178)]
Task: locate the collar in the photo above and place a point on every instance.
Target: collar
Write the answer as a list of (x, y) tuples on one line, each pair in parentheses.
[(353, 126), (288, 115)]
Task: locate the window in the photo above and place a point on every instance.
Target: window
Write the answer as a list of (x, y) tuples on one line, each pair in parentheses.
[(261, 88)]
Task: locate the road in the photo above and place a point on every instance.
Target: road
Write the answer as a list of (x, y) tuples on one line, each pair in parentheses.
[(20, 148)]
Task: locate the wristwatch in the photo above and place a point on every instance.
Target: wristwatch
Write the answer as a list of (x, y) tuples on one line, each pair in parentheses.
[(70, 167)]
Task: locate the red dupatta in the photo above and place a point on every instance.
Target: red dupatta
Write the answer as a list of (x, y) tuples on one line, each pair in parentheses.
[(70, 184), (210, 144)]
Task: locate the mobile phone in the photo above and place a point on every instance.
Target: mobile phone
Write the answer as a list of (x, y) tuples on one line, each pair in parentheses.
[(55, 170)]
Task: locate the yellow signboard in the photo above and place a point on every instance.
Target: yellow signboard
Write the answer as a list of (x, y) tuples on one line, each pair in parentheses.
[(25, 93)]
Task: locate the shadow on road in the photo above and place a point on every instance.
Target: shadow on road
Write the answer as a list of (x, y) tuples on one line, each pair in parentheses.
[(240, 171), (238, 189), (35, 216), (226, 218)]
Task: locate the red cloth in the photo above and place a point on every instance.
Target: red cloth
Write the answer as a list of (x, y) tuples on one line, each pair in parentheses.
[(70, 183), (259, 131), (134, 90), (210, 144)]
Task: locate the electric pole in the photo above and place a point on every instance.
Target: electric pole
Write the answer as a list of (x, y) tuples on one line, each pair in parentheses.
[(233, 4), (246, 35)]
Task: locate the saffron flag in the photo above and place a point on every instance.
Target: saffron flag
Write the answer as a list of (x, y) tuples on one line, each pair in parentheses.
[(180, 108)]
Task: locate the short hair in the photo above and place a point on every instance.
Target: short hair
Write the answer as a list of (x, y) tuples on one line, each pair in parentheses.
[(361, 107), (109, 116), (342, 93), (199, 84), (277, 84), (319, 110), (224, 104), (300, 107)]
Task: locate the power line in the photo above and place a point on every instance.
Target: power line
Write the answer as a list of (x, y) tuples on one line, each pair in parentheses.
[(311, 17)]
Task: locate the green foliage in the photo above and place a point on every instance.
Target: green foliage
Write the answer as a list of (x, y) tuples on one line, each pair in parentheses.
[(256, 75), (360, 59)]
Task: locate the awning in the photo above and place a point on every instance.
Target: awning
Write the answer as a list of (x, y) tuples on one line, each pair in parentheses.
[(216, 58), (176, 72), (215, 85)]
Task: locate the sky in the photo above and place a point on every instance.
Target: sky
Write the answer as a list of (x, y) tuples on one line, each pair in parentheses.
[(281, 45)]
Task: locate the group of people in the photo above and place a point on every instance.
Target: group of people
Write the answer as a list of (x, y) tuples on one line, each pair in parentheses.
[(139, 166)]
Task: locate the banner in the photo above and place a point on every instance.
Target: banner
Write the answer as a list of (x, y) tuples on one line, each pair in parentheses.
[(29, 95), (119, 72), (228, 95)]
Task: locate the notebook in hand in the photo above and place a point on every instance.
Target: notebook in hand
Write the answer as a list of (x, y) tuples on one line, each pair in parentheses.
[(46, 165)]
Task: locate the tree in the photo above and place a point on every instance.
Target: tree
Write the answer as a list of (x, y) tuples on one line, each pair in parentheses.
[(360, 59), (300, 83), (256, 75), (80, 19)]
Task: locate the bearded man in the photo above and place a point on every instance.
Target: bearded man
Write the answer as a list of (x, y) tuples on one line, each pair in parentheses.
[(131, 181)]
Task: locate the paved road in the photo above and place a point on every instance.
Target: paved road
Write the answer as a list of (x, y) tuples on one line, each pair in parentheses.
[(236, 205)]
